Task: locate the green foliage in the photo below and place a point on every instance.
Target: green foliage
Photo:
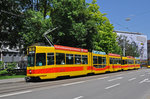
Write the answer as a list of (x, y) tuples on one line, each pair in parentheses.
[(10, 22), (34, 25), (80, 24), (105, 39), (12, 76), (71, 16), (1, 64), (3, 72), (9, 68)]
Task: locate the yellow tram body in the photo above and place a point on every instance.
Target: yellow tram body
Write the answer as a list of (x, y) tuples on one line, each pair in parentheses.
[(114, 62), (124, 63), (137, 63), (51, 62), (130, 61)]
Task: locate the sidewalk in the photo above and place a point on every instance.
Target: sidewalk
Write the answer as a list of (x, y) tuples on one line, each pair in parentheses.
[(13, 80)]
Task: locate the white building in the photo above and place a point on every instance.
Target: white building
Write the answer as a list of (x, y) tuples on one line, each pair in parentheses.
[(139, 39)]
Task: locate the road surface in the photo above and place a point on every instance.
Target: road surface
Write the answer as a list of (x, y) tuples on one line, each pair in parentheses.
[(133, 84)]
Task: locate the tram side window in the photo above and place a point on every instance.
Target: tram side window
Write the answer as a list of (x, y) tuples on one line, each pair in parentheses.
[(69, 58), (100, 60), (84, 59), (124, 62), (138, 62), (50, 58), (135, 61), (129, 61), (132, 61), (94, 59), (111, 60), (40, 59), (104, 60), (60, 58), (117, 60), (77, 59)]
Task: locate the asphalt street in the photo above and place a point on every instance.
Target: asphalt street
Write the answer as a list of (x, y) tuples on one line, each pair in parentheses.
[(131, 85)]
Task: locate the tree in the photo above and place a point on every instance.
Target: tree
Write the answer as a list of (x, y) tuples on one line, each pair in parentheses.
[(131, 48), (10, 21), (70, 15), (105, 38), (80, 24), (34, 25)]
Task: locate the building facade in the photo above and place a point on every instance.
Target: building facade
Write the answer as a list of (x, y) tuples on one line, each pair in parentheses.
[(136, 39), (10, 55), (148, 51)]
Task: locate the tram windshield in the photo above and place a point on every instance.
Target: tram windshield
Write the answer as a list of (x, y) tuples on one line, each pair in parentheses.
[(31, 60)]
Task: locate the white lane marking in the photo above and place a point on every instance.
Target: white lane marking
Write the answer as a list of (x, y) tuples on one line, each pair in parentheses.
[(112, 86), (78, 97), (142, 75), (131, 79), (115, 78), (143, 81), (148, 73), (103, 77), (17, 93), (73, 83)]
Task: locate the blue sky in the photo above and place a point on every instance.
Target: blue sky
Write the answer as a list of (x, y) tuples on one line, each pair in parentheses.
[(138, 11)]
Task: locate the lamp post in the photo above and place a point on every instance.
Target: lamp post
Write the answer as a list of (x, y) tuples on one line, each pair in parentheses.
[(124, 49)]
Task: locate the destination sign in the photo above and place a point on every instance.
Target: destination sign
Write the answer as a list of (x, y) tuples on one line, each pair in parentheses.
[(70, 48), (98, 52)]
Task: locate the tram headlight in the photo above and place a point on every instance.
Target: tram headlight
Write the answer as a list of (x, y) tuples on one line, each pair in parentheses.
[(30, 71)]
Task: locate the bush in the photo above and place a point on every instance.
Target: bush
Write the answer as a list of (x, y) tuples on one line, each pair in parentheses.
[(1, 64), (8, 70), (3, 72), (11, 68)]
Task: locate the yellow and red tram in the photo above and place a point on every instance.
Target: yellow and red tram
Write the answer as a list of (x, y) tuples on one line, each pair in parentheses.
[(99, 62), (124, 63), (51, 62), (137, 62), (130, 61), (114, 62)]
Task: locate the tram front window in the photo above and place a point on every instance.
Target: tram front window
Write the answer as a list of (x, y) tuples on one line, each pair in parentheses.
[(31, 60), (40, 59)]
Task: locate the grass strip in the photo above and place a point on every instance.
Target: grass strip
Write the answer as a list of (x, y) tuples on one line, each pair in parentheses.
[(13, 76)]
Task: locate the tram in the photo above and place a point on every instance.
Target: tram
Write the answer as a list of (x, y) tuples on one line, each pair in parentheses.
[(45, 62)]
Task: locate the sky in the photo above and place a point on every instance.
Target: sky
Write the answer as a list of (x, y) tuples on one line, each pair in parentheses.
[(136, 11)]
